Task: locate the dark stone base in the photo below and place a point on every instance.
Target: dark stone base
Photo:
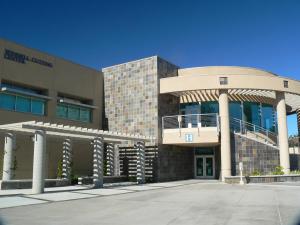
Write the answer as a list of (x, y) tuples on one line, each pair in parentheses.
[(263, 179), (27, 184), (106, 179), (175, 163)]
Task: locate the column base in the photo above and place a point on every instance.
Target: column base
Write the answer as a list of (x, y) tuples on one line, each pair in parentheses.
[(225, 173)]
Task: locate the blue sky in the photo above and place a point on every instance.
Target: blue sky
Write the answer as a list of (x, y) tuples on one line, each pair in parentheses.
[(255, 33)]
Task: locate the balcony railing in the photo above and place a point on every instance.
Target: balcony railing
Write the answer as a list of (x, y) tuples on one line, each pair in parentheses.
[(242, 127), (190, 121)]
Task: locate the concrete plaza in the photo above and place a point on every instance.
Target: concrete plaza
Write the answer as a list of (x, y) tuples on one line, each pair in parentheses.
[(184, 202)]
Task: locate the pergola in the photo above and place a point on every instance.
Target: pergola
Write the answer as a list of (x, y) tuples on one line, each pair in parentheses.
[(254, 95), (41, 130)]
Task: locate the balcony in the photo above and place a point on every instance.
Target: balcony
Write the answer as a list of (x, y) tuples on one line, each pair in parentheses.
[(191, 130)]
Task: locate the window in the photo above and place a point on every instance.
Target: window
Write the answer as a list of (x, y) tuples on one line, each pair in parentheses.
[(223, 80), (72, 112), (62, 111), (38, 107), (209, 107), (252, 113), (22, 99), (285, 83), (7, 101), (85, 115), (22, 103), (268, 117)]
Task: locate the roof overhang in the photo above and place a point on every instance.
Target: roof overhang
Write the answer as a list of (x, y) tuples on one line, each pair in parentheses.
[(193, 88)]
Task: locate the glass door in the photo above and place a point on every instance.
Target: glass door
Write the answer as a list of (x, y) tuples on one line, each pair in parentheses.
[(199, 167), (204, 167)]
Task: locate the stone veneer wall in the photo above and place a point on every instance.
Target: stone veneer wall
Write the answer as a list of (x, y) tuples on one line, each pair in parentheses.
[(131, 96), (133, 104), (254, 155), (175, 163)]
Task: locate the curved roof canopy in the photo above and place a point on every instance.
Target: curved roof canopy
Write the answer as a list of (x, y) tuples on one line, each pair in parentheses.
[(242, 83)]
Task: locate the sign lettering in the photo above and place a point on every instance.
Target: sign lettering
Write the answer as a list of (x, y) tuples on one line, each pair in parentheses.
[(21, 58)]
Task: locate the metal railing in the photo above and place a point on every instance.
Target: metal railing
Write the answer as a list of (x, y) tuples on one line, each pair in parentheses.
[(190, 121), (212, 120), (243, 127)]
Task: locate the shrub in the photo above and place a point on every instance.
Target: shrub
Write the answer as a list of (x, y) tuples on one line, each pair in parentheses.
[(74, 179), (256, 173), (132, 179), (59, 169), (278, 170), (295, 172)]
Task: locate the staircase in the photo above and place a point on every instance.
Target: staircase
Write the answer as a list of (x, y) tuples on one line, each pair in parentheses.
[(253, 132), (253, 145)]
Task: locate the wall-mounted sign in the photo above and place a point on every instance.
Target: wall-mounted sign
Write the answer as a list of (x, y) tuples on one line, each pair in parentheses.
[(188, 137), (21, 58)]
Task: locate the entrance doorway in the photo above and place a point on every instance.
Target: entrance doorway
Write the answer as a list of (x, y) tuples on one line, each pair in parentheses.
[(204, 166)]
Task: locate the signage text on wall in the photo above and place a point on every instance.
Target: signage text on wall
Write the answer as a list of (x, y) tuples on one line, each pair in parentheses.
[(21, 58)]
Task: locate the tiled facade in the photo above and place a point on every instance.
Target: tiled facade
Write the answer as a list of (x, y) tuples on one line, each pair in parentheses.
[(254, 155), (133, 104), (131, 97), (132, 101)]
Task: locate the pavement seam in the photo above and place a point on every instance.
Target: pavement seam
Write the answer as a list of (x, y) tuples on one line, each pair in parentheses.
[(277, 207)]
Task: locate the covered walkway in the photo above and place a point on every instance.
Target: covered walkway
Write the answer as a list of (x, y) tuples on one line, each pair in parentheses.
[(39, 131)]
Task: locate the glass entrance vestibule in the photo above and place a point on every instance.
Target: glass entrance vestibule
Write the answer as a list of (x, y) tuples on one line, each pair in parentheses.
[(258, 114)]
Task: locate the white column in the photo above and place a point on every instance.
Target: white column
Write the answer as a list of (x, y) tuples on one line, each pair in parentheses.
[(67, 159), (225, 135), (116, 161), (39, 154), (283, 133), (140, 170), (98, 162), (110, 159), (8, 160)]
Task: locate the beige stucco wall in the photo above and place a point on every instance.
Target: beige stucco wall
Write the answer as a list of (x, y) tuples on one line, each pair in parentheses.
[(64, 77), (223, 70), (211, 81), (204, 136)]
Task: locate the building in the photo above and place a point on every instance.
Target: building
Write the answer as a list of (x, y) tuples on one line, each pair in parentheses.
[(38, 86), (205, 121)]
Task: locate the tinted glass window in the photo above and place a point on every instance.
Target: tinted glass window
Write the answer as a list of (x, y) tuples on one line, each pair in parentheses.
[(252, 113), (268, 117), (209, 107), (7, 101), (38, 107), (85, 115), (190, 108), (235, 110), (23, 104), (62, 111), (73, 113)]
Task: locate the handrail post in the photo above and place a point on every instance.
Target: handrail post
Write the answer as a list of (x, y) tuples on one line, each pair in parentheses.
[(218, 122), (163, 126), (198, 125), (241, 128), (179, 118)]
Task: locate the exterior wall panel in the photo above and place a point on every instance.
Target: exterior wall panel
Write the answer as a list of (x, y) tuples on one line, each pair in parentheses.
[(63, 77)]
